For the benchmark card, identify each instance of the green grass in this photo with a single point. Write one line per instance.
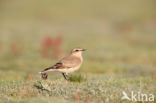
(119, 37)
(107, 88)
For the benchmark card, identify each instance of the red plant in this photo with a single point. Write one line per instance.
(52, 45)
(77, 96)
(29, 78)
(126, 27)
(14, 49)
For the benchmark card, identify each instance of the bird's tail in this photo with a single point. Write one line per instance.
(44, 74)
(46, 70)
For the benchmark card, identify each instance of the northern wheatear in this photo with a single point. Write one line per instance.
(68, 64)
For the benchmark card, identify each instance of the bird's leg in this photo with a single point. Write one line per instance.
(65, 76)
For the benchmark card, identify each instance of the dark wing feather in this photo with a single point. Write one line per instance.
(56, 66)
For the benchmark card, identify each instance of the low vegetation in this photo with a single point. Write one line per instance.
(119, 37)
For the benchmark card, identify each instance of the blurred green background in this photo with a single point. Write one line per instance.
(120, 36)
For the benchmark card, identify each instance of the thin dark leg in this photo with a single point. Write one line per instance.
(65, 76)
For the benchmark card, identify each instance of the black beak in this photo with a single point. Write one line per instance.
(84, 49)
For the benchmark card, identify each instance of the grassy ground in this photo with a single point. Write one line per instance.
(121, 52)
(107, 88)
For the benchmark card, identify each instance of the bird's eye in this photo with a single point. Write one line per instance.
(76, 50)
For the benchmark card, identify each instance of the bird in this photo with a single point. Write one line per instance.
(66, 65)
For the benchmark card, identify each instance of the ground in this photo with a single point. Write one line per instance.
(120, 56)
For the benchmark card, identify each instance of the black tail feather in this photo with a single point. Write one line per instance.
(47, 69)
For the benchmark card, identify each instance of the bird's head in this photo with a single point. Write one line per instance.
(77, 51)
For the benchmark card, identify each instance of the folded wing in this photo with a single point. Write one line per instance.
(65, 63)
